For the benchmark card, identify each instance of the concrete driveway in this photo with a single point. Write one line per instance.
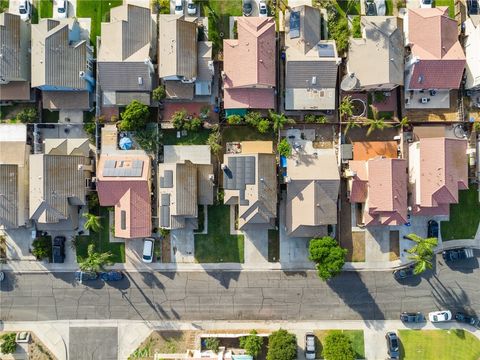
(13, 6)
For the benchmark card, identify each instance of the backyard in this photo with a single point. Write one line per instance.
(464, 217)
(218, 245)
(438, 345)
(355, 336)
(100, 239)
(244, 133)
(192, 138)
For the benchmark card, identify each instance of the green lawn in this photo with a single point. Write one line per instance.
(45, 9)
(449, 3)
(348, 7)
(101, 240)
(464, 217)
(218, 245)
(193, 137)
(273, 245)
(356, 337)
(389, 5)
(3, 5)
(98, 11)
(438, 345)
(244, 133)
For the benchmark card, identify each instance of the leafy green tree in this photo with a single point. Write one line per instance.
(179, 118)
(282, 345)
(135, 116)
(337, 346)
(279, 120)
(234, 120)
(422, 252)
(339, 31)
(95, 262)
(284, 148)
(253, 118)
(252, 343)
(159, 93)
(148, 140)
(215, 142)
(328, 256)
(92, 222)
(28, 115)
(376, 122)
(403, 123)
(212, 343)
(41, 248)
(9, 345)
(356, 28)
(263, 126)
(194, 124)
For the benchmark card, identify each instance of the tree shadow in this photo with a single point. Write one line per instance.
(224, 277)
(445, 298)
(119, 285)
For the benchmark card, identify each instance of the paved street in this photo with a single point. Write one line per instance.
(238, 295)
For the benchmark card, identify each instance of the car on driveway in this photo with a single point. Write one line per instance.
(392, 345)
(191, 8)
(467, 319)
(58, 250)
(262, 9)
(25, 10)
(425, 4)
(62, 9)
(473, 8)
(457, 254)
(82, 276)
(440, 316)
(247, 7)
(404, 273)
(370, 8)
(112, 275)
(412, 317)
(432, 229)
(309, 346)
(147, 254)
(178, 7)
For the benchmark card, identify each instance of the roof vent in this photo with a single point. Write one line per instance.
(140, 80)
(314, 80)
(420, 79)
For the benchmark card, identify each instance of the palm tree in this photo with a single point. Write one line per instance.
(376, 122)
(346, 107)
(403, 122)
(95, 262)
(422, 252)
(92, 222)
(279, 121)
(351, 123)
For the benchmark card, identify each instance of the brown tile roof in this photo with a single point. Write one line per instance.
(66, 100)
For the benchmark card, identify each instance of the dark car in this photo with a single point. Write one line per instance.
(370, 8)
(111, 276)
(467, 319)
(82, 276)
(58, 249)
(457, 254)
(404, 273)
(247, 7)
(392, 345)
(432, 230)
(409, 317)
(472, 7)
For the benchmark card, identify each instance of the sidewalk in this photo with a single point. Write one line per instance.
(55, 335)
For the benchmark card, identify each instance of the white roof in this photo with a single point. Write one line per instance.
(13, 132)
(197, 154)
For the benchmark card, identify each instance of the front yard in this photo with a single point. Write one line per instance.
(438, 345)
(355, 336)
(45, 9)
(449, 3)
(218, 245)
(464, 217)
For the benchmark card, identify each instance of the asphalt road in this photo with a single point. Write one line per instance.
(268, 295)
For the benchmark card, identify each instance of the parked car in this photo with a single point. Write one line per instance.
(25, 10)
(178, 7)
(473, 8)
(247, 7)
(58, 250)
(457, 254)
(440, 316)
(262, 9)
(147, 256)
(112, 275)
(309, 346)
(381, 7)
(467, 319)
(411, 317)
(62, 9)
(426, 4)
(432, 229)
(392, 345)
(404, 273)
(2, 276)
(191, 8)
(370, 8)
(82, 276)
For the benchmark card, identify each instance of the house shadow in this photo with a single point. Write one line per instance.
(224, 278)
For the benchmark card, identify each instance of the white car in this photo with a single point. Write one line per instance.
(191, 8)
(147, 255)
(178, 7)
(425, 4)
(62, 9)
(381, 7)
(309, 346)
(262, 9)
(25, 10)
(440, 316)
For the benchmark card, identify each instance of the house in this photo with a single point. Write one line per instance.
(14, 154)
(62, 64)
(376, 60)
(123, 181)
(472, 53)
(250, 182)
(379, 186)
(249, 65)
(437, 171)
(435, 60)
(125, 69)
(59, 181)
(184, 64)
(14, 58)
(185, 181)
(311, 63)
(313, 183)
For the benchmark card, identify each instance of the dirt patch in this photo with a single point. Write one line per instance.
(394, 253)
(36, 349)
(166, 247)
(355, 247)
(166, 342)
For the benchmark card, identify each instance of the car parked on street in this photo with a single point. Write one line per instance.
(457, 254)
(113, 275)
(432, 229)
(370, 8)
(25, 9)
(412, 317)
(62, 9)
(147, 255)
(247, 7)
(82, 276)
(309, 346)
(262, 9)
(58, 250)
(440, 316)
(404, 273)
(467, 319)
(392, 345)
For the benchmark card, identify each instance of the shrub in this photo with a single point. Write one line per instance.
(159, 93)
(234, 120)
(252, 343)
(263, 126)
(179, 118)
(378, 97)
(337, 346)
(319, 119)
(328, 256)
(214, 141)
(476, 126)
(134, 117)
(9, 345)
(212, 343)
(41, 248)
(356, 28)
(284, 148)
(282, 346)
(253, 118)
(193, 124)
(27, 115)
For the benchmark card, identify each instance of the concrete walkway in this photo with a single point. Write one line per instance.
(55, 335)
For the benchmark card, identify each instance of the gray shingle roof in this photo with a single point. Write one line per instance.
(8, 195)
(123, 76)
(300, 73)
(10, 48)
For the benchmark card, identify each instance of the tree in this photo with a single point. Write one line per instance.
(346, 107)
(337, 346)
(134, 117)
(92, 222)
(422, 252)
(194, 124)
(284, 148)
(234, 120)
(351, 123)
(27, 115)
(279, 120)
(282, 345)
(214, 141)
(263, 126)
(339, 31)
(252, 343)
(253, 118)
(41, 247)
(148, 140)
(212, 343)
(376, 122)
(95, 262)
(178, 119)
(328, 256)
(9, 345)
(403, 123)
(159, 93)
